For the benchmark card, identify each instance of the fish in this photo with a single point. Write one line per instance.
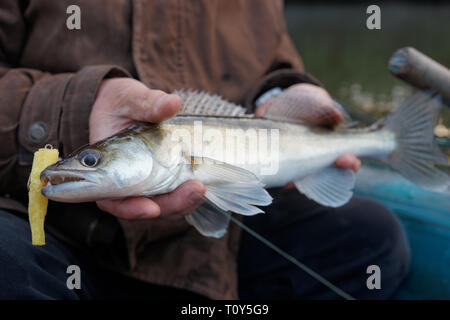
(238, 156)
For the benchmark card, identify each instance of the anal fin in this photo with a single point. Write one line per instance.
(331, 187)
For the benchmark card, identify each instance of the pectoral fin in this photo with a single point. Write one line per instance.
(209, 220)
(231, 189)
(331, 187)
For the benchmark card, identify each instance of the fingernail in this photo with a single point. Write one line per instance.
(159, 103)
(196, 199)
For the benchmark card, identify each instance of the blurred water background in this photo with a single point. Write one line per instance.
(351, 60)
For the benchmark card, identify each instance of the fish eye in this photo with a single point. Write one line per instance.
(89, 158)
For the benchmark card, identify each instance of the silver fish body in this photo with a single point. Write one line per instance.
(146, 159)
(300, 149)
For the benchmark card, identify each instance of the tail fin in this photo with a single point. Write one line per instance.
(416, 155)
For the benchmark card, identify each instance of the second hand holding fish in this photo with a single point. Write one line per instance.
(312, 98)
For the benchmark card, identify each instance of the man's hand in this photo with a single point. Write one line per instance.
(314, 97)
(119, 103)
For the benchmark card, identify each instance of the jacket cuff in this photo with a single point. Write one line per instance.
(57, 108)
(282, 78)
(79, 98)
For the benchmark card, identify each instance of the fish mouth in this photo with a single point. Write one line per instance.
(61, 177)
(57, 180)
(68, 185)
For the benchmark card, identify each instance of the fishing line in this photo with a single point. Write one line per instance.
(285, 255)
(290, 258)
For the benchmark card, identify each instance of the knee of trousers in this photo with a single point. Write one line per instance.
(27, 271)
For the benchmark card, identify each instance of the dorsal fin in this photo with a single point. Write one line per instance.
(202, 103)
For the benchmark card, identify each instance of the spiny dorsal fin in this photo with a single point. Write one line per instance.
(202, 103)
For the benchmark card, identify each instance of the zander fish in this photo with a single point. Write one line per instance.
(237, 156)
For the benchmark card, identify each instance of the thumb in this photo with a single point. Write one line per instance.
(165, 107)
(311, 107)
(151, 106)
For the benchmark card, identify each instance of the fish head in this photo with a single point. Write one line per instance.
(113, 168)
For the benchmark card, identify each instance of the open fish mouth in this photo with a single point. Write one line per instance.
(56, 180)
(67, 185)
(51, 177)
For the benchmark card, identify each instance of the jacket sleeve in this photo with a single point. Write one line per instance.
(286, 69)
(37, 107)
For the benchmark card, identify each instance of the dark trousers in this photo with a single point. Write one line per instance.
(337, 243)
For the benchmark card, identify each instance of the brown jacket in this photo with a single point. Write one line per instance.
(49, 77)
